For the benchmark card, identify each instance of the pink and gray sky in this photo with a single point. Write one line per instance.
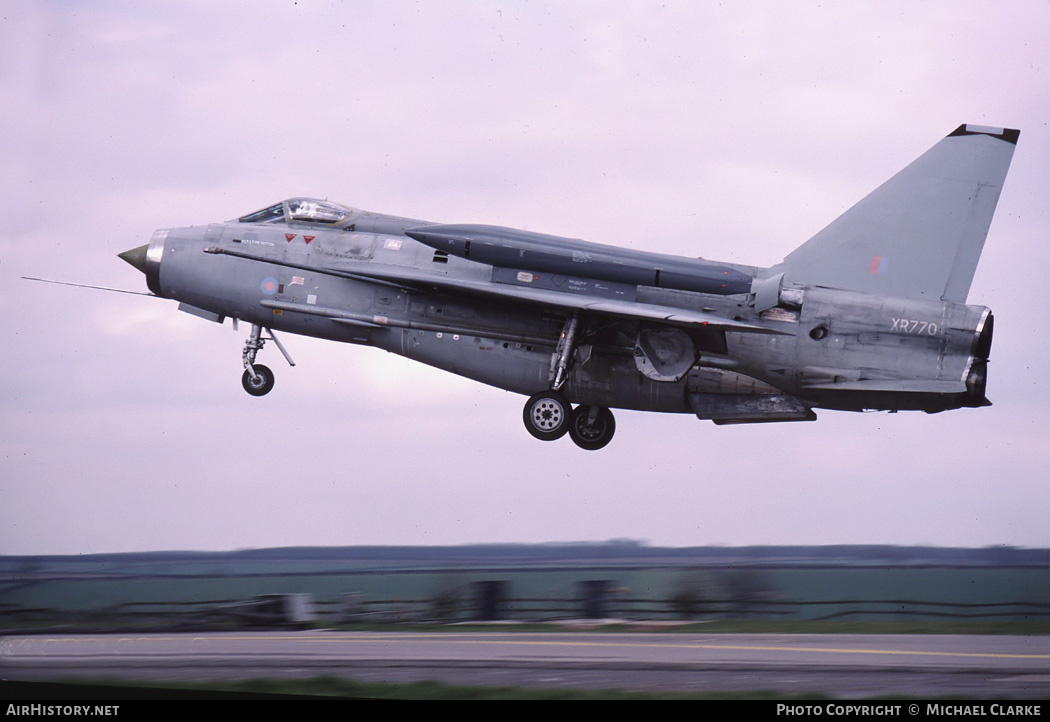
(732, 131)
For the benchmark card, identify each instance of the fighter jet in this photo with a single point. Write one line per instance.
(869, 314)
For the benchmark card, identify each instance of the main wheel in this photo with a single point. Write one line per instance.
(546, 415)
(588, 435)
(261, 383)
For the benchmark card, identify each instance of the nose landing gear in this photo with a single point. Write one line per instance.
(257, 379)
(259, 384)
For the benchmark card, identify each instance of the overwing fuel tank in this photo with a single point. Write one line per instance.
(538, 252)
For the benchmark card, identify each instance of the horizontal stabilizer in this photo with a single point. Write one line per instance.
(920, 234)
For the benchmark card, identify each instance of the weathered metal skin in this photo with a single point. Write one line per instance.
(893, 339)
(868, 314)
(845, 338)
(510, 345)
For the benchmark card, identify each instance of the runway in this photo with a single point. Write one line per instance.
(844, 666)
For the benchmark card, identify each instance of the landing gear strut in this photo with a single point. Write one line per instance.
(563, 354)
(548, 415)
(257, 379)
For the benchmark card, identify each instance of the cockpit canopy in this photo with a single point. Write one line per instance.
(301, 210)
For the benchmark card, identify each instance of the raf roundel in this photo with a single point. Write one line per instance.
(269, 286)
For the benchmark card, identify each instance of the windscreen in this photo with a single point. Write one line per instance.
(273, 214)
(314, 211)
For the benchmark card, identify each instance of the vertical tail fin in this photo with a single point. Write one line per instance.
(920, 234)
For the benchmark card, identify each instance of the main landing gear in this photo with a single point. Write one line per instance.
(592, 427)
(548, 415)
(257, 379)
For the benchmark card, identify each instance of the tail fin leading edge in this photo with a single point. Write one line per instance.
(920, 234)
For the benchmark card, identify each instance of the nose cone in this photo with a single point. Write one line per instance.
(136, 257)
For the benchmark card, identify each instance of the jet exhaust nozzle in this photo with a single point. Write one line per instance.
(977, 378)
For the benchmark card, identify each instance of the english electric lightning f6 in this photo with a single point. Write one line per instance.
(868, 314)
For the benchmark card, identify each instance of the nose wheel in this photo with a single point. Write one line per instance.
(259, 384)
(257, 379)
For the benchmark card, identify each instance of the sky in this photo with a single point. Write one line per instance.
(732, 131)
